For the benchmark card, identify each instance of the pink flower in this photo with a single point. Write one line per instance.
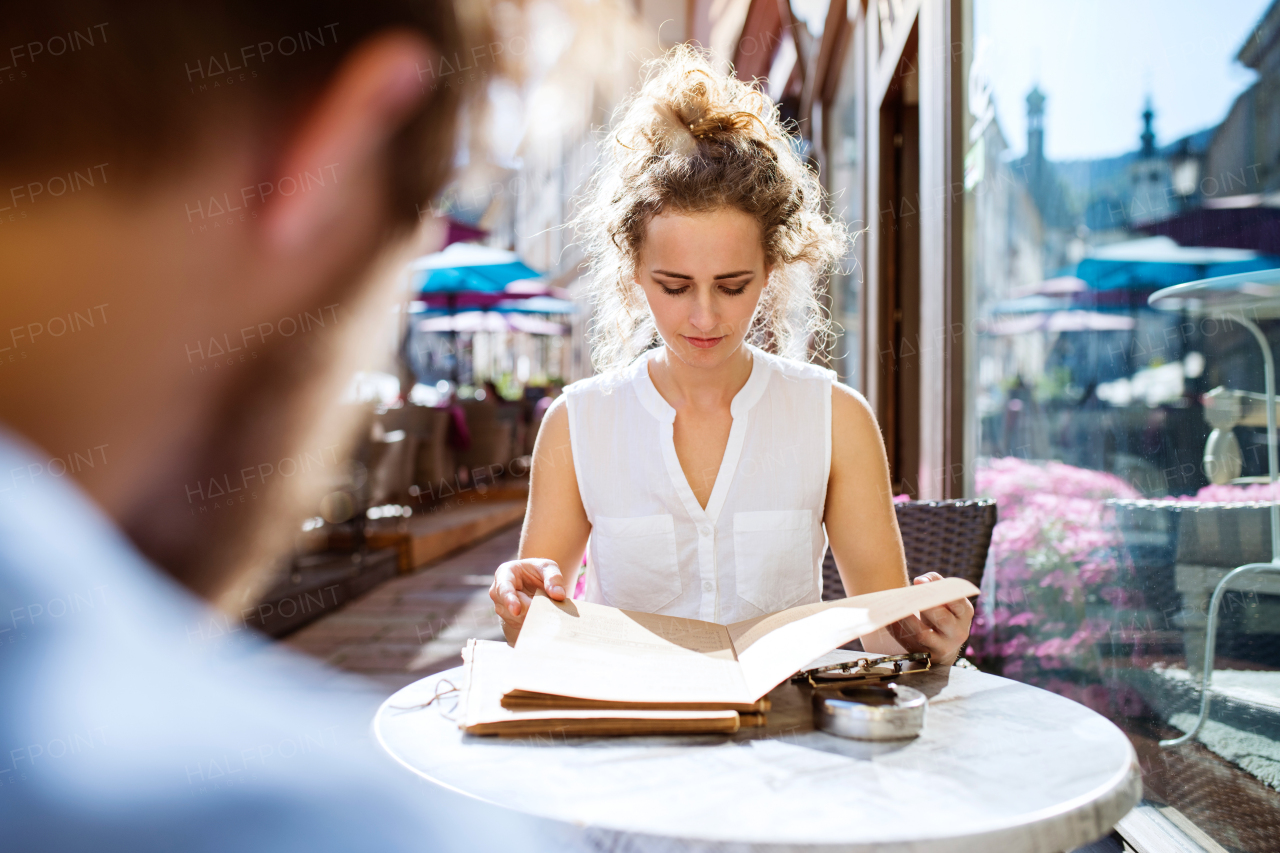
(1254, 492)
(1055, 549)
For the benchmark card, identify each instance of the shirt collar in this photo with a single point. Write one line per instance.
(746, 397)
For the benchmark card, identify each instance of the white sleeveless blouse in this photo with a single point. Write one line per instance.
(757, 547)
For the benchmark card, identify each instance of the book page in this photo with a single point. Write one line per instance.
(590, 651)
(488, 667)
(772, 648)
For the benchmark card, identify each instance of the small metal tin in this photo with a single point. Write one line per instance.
(870, 711)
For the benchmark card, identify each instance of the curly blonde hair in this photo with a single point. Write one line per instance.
(693, 140)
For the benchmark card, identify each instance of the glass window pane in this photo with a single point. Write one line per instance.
(1112, 150)
(845, 175)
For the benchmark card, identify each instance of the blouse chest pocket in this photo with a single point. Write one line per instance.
(773, 552)
(635, 561)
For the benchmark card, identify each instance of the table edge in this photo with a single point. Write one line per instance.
(1130, 777)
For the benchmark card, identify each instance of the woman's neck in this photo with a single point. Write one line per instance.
(702, 387)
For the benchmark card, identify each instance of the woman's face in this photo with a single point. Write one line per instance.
(702, 274)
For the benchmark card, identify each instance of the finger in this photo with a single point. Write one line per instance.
(504, 594)
(530, 573)
(926, 640)
(927, 577)
(515, 619)
(911, 631)
(504, 614)
(553, 581)
(963, 609)
(940, 619)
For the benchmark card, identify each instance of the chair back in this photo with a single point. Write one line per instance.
(948, 537)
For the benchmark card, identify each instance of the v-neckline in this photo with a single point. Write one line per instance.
(739, 407)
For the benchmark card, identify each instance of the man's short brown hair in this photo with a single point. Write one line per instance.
(146, 85)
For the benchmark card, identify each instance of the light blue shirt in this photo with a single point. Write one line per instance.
(128, 723)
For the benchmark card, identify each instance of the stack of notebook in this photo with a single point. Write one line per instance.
(587, 669)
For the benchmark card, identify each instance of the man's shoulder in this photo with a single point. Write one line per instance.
(138, 717)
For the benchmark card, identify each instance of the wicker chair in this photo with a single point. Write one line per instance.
(947, 537)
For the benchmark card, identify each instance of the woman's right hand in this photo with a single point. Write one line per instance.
(514, 585)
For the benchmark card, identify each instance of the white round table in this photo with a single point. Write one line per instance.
(1001, 766)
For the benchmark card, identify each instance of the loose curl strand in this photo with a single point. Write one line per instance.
(694, 140)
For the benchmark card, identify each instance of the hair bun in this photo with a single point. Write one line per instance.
(689, 103)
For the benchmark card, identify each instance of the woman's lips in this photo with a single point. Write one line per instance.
(703, 343)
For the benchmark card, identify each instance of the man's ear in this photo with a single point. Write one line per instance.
(342, 141)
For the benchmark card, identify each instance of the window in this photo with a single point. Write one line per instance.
(1112, 150)
(845, 140)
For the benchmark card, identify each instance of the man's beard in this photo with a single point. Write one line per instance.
(222, 522)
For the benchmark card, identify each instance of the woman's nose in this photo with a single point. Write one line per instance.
(704, 317)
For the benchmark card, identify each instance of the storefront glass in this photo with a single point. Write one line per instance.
(1112, 150)
(843, 125)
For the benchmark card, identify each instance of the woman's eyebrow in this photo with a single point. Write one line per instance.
(722, 276)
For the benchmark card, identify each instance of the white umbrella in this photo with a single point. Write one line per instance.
(489, 321)
(1059, 321)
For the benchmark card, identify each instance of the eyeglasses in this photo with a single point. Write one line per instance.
(865, 669)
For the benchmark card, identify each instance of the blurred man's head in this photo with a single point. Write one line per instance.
(199, 206)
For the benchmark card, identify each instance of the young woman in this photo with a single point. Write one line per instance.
(705, 472)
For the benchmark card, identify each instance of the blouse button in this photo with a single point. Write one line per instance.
(704, 530)
(707, 587)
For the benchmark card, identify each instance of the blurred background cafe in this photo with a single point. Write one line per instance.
(1041, 190)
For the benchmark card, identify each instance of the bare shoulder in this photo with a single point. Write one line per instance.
(851, 414)
(557, 415)
(553, 450)
(554, 431)
(858, 458)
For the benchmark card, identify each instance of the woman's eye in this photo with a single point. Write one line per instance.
(733, 291)
(674, 291)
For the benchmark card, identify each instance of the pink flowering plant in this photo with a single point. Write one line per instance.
(1055, 581)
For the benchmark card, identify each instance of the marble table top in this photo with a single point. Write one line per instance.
(1000, 766)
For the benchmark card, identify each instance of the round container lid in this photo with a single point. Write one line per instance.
(870, 712)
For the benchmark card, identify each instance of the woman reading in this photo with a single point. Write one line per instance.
(704, 470)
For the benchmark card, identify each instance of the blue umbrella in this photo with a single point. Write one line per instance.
(1157, 262)
(468, 268)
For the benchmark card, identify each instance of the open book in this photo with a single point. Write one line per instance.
(489, 666)
(573, 656)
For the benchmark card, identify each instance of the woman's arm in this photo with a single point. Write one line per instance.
(862, 526)
(555, 527)
(862, 529)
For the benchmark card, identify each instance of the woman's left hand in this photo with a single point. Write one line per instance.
(940, 631)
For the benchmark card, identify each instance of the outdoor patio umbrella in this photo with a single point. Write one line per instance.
(536, 305)
(509, 298)
(467, 275)
(488, 321)
(468, 267)
(1059, 321)
(1120, 276)
(1152, 263)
